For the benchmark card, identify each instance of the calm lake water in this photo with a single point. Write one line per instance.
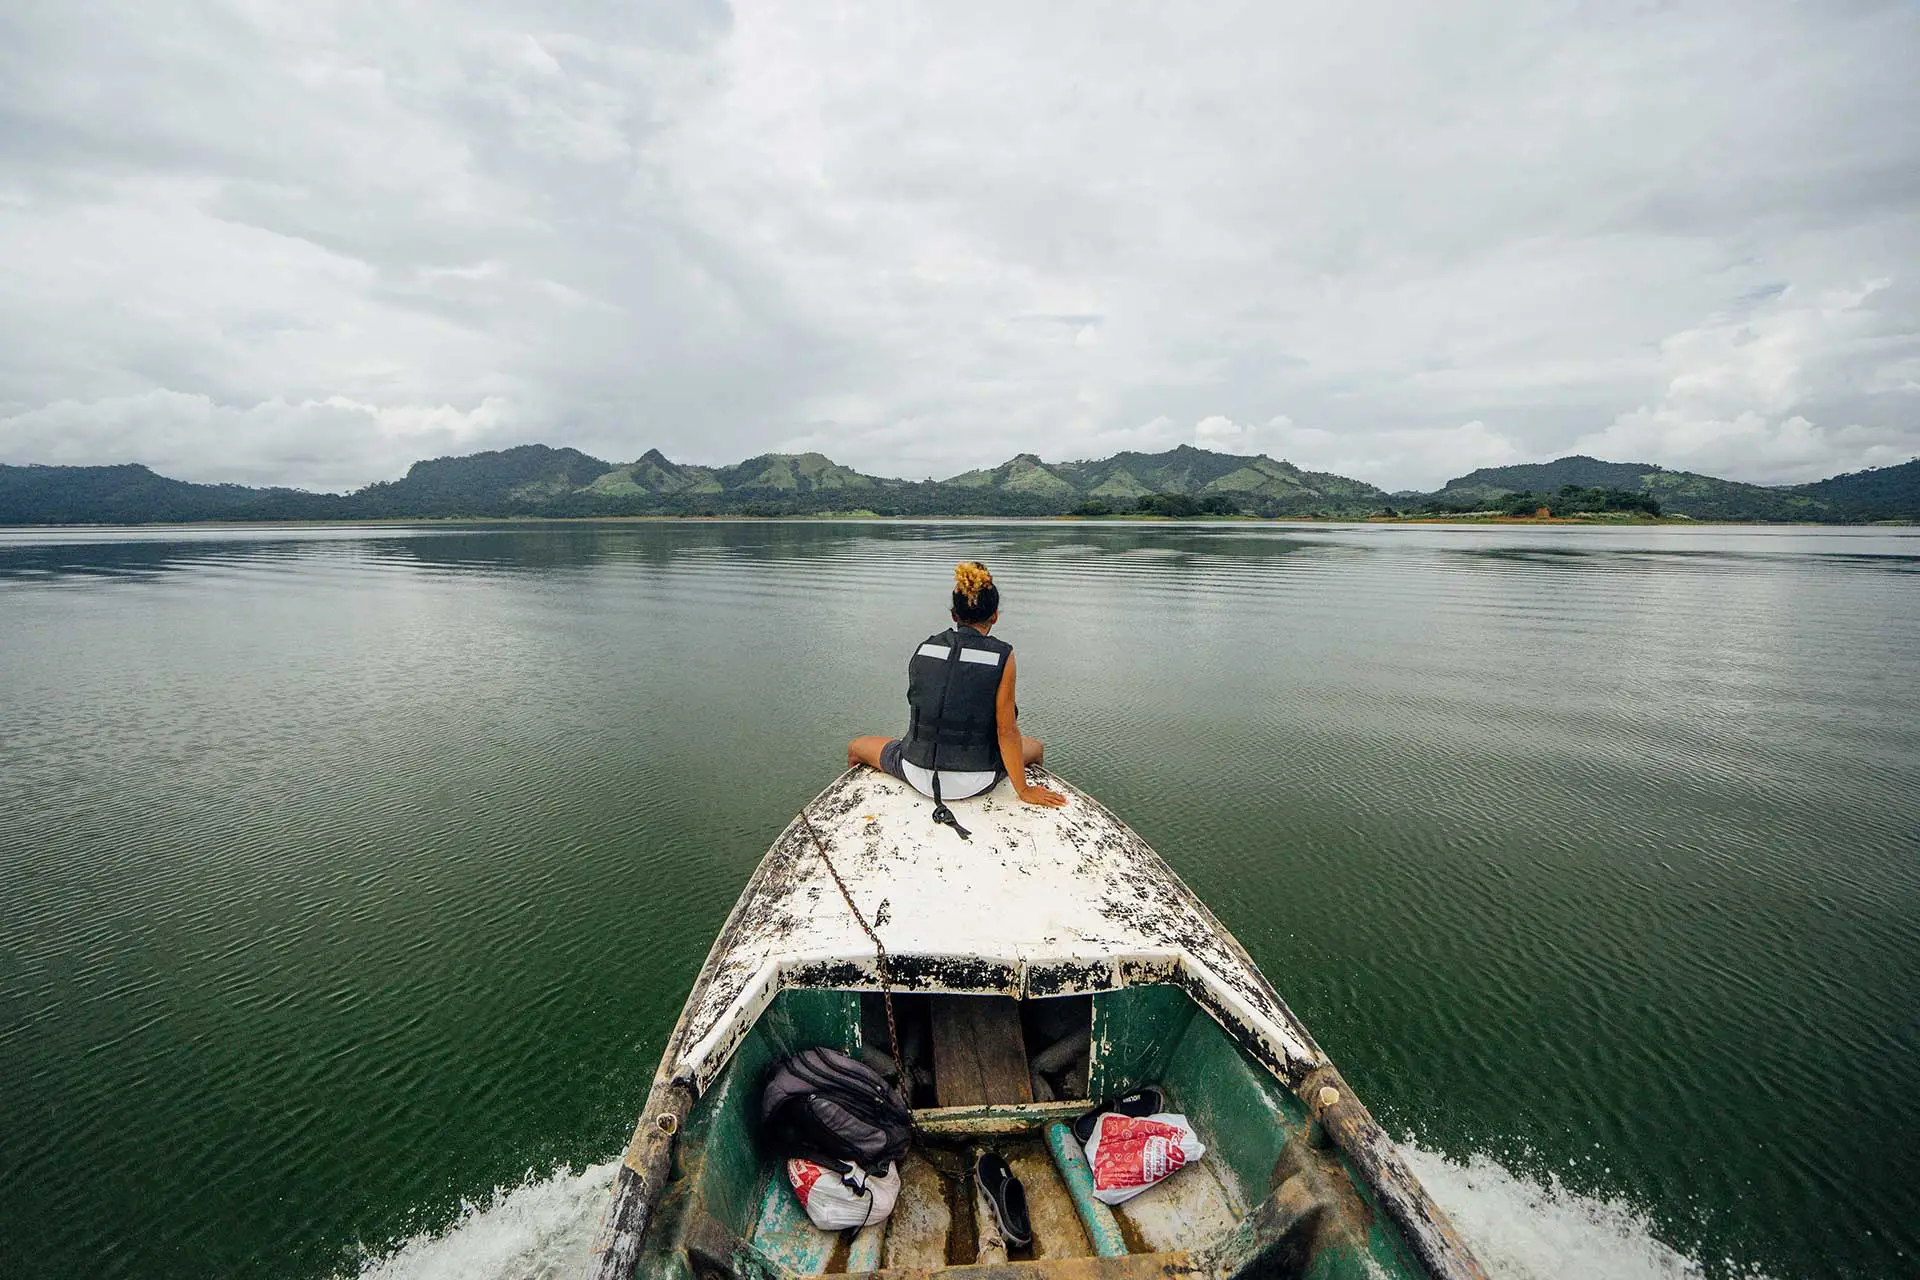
(348, 875)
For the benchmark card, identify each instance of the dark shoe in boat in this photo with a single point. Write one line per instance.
(1143, 1102)
(1007, 1198)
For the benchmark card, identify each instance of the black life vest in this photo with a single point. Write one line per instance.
(953, 683)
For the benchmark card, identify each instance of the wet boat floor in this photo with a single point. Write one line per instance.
(935, 1223)
(979, 1058)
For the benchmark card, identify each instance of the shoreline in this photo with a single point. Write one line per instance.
(868, 517)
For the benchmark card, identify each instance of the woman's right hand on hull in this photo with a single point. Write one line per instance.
(1045, 797)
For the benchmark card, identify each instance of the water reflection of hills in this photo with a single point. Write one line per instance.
(546, 547)
(1644, 560)
(558, 546)
(581, 545)
(141, 560)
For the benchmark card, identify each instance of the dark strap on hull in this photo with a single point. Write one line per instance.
(943, 816)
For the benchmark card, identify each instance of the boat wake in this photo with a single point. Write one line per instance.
(538, 1230)
(1521, 1229)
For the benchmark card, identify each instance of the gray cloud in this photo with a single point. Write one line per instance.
(307, 245)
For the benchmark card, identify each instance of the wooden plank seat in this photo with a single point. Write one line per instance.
(979, 1051)
(1136, 1266)
(1005, 1120)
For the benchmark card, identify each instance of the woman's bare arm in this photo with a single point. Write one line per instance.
(1007, 723)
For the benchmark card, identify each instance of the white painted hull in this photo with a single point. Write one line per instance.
(1037, 902)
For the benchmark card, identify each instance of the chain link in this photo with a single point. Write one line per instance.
(879, 950)
(962, 1173)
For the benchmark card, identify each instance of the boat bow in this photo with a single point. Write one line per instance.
(1037, 902)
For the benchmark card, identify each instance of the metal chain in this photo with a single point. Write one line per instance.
(879, 949)
(962, 1175)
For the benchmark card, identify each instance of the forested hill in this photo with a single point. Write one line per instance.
(1544, 477)
(1889, 493)
(535, 480)
(133, 494)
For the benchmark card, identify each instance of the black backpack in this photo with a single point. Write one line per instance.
(823, 1106)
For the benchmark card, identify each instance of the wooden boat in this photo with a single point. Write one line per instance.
(1051, 953)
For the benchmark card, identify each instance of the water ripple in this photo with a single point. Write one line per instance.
(350, 873)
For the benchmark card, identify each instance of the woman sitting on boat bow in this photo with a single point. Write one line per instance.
(963, 734)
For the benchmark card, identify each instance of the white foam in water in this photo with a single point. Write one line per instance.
(1523, 1230)
(1520, 1228)
(538, 1230)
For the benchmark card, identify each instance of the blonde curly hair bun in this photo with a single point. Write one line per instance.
(970, 578)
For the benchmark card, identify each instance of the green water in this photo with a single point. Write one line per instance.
(345, 874)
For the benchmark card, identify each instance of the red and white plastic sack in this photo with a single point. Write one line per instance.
(1131, 1153)
(835, 1201)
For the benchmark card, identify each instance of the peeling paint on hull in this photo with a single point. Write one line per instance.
(1039, 902)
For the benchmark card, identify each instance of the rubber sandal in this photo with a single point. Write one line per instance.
(1142, 1102)
(1007, 1198)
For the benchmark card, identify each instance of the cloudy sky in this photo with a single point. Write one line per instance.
(310, 242)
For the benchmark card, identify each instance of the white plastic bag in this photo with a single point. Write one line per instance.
(1130, 1153)
(835, 1201)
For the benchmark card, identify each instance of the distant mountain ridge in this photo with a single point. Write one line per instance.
(1882, 493)
(1679, 492)
(130, 493)
(537, 480)
(1588, 473)
(1888, 493)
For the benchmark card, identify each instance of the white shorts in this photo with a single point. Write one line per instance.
(953, 785)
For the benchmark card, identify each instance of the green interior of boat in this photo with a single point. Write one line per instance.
(987, 1072)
